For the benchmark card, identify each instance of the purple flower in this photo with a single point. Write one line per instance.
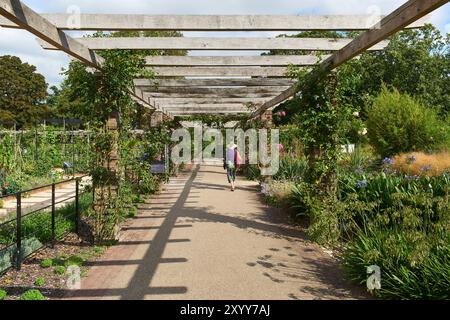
(361, 184)
(388, 161)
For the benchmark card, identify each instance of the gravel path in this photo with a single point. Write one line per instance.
(199, 240)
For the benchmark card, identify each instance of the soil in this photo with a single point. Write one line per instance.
(16, 282)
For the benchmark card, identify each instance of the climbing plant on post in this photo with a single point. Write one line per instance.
(322, 122)
(108, 105)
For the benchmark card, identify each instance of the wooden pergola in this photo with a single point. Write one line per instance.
(187, 85)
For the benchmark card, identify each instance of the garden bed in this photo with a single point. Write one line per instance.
(51, 284)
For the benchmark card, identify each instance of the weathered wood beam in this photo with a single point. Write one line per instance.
(247, 61)
(171, 43)
(248, 82)
(209, 107)
(406, 14)
(220, 71)
(138, 96)
(184, 101)
(136, 22)
(181, 113)
(27, 19)
(213, 94)
(201, 90)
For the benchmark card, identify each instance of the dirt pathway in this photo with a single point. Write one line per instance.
(199, 240)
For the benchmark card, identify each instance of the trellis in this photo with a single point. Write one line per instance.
(236, 84)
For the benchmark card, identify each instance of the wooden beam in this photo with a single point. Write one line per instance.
(212, 94)
(406, 14)
(220, 71)
(224, 91)
(210, 107)
(22, 16)
(248, 82)
(111, 22)
(185, 101)
(171, 43)
(181, 113)
(397, 20)
(238, 61)
(25, 18)
(138, 96)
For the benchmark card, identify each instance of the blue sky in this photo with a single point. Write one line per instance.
(49, 63)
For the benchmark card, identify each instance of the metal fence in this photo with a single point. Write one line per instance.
(34, 225)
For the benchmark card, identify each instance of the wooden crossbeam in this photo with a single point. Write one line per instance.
(212, 94)
(185, 100)
(112, 22)
(172, 43)
(220, 61)
(201, 90)
(190, 112)
(220, 71)
(27, 19)
(24, 17)
(210, 107)
(248, 82)
(215, 91)
(406, 14)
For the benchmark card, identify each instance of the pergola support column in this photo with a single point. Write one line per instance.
(267, 118)
(157, 117)
(106, 187)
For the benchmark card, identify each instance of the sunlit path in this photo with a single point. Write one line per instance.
(198, 240)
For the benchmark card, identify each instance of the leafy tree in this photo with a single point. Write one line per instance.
(416, 62)
(22, 92)
(309, 34)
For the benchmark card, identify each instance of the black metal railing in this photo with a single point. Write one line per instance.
(38, 225)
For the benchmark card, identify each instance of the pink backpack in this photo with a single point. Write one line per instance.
(238, 158)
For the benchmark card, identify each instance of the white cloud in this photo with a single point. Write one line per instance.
(24, 45)
(49, 63)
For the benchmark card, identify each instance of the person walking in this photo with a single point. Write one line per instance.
(231, 162)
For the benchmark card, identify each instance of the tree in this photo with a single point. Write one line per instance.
(22, 92)
(416, 62)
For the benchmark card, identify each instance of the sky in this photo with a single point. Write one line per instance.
(50, 63)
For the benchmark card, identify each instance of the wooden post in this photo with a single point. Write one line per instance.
(266, 117)
(106, 224)
(112, 126)
(156, 118)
